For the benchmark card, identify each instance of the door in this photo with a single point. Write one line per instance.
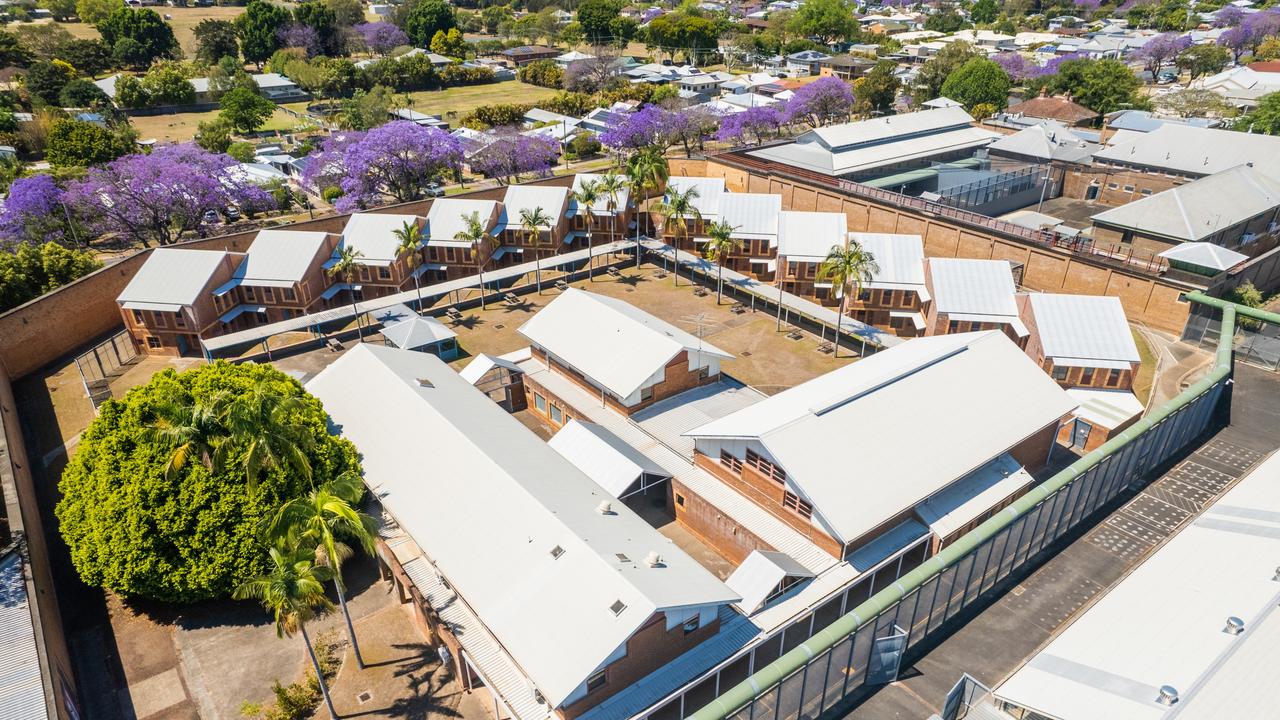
(1091, 193)
(182, 344)
(886, 657)
(1080, 433)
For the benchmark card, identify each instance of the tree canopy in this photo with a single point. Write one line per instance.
(244, 109)
(830, 20)
(424, 18)
(194, 533)
(257, 29)
(32, 270)
(216, 39)
(1263, 119)
(978, 82)
(596, 18)
(138, 37)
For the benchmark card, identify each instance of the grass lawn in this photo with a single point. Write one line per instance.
(180, 127)
(1147, 371)
(183, 20)
(458, 101)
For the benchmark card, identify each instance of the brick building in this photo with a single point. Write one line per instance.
(448, 257)
(168, 305)
(969, 295)
(381, 268)
(518, 245)
(607, 219)
(895, 297)
(279, 278)
(628, 358)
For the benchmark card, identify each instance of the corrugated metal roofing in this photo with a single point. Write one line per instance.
(972, 287)
(551, 200)
(1191, 150)
(1205, 255)
(1201, 208)
(753, 216)
(900, 259)
(709, 192)
(280, 255)
(602, 456)
(449, 216)
(373, 234)
(601, 205)
(1083, 327)
(759, 575)
(21, 688)
(810, 236)
(172, 276)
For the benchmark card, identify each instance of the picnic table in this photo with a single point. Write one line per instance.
(826, 348)
(333, 344)
(613, 271)
(562, 285)
(738, 308)
(453, 314)
(795, 334)
(510, 299)
(700, 292)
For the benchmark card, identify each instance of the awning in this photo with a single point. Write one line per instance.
(825, 285)
(919, 290)
(435, 266)
(267, 283)
(571, 237)
(239, 310)
(507, 249)
(760, 575)
(226, 287)
(1106, 408)
(1018, 328)
(335, 289)
(1093, 363)
(153, 307)
(916, 318)
(973, 495)
(448, 244)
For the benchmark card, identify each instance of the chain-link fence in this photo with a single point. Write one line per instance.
(1255, 341)
(104, 361)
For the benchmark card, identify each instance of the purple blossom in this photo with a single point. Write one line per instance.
(649, 14)
(1051, 67)
(510, 154)
(299, 36)
(1016, 66)
(382, 37)
(821, 102)
(1161, 49)
(395, 159)
(751, 125)
(1229, 16)
(647, 127)
(1088, 5)
(159, 196)
(32, 212)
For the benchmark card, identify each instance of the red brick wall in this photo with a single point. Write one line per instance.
(715, 529)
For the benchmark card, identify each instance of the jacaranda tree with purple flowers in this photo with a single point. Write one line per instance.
(297, 35)
(382, 37)
(510, 154)
(647, 127)
(33, 213)
(397, 159)
(822, 102)
(1016, 66)
(1161, 49)
(155, 198)
(752, 125)
(692, 126)
(1229, 16)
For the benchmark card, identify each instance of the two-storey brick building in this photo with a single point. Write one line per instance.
(280, 277)
(969, 295)
(447, 256)
(169, 305)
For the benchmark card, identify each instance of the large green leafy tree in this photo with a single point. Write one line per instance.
(876, 91)
(1100, 85)
(216, 39)
(195, 532)
(75, 143)
(984, 12)
(1263, 119)
(321, 18)
(32, 270)
(143, 35)
(45, 80)
(95, 11)
(257, 29)
(978, 82)
(829, 20)
(595, 17)
(424, 18)
(245, 109)
(935, 72)
(12, 52)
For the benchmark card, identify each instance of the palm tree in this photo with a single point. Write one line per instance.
(718, 248)
(847, 268)
(190, 428)
(532, 222)
(292, 590)
(677, 207)
(348, 259)
(610, 187)
(409, 239)
(586, 196)
(646, 170)
(263, 423)
(319, 520)
(475, 235)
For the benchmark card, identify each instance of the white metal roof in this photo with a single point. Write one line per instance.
(1106, 408)
(889, 127)
(1163, 625)
(975, 494)
(448, 217)
(753, 216)
(758, 575)
(512, 501)
(601, 205)
(603, 456)
(809, 236)
(552, 200)
(900, 259)
(1200, 208)
(1083, 327)
(172, 276)
(1205, 254)
(416, 332)
(613, 343)
(482, 364)
(280, 255)
(709, 192)
(974, 395)
(1191, 150)
(373, 234)
(972, 287)
(21, 690)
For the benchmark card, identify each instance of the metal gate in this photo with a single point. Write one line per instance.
(886, 657)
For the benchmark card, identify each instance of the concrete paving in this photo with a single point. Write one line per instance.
(991, 643)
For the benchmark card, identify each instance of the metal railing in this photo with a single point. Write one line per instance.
(103, 362)
(831, 667)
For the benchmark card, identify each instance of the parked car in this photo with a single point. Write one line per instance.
(210, 216)
(435, 190)
(232, 213)
(1165, 78)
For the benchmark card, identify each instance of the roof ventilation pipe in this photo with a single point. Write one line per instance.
(604, 508)
(1235, 626)
(653, 559)
(1168, 695)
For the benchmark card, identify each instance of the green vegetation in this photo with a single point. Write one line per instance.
(170, 488)
(978, 82)
(33, 270)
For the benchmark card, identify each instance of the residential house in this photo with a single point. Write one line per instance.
(846, 67)
(449, 258)
(805, 62)
(280, 277)
(562, 596)
(551, 236)
(983, 418)
(970, 295)
(1085, 344)
(1060, 108)
(168, 304)
(525, 54)
(381, 269)
(627, 357)
(1231, 208)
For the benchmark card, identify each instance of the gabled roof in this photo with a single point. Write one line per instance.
(603, 456)
(417, 331)
(972, 287)
(974, 395)
(1191, 150)
(900, 259)
(709, 192)
(1050, 141)
(1053, 107)
(809, 236)
(282, 255)
(757, 577)
(601, 205)
(553, 201)
(558, 583)
(482, 364)
(171, 278)
(1205, 255)
(448, 217)
(612, 343)
(21, 690)
(1200, 208)
(1083, 328)
(373, 234)
(753, 216)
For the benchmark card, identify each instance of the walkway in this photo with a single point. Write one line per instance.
(996, 641)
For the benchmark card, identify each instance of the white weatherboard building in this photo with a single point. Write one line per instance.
(544, 577)
(1192, 633)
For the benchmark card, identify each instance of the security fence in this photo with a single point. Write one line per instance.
(103, 362)
(865, 646)
(1256, 341)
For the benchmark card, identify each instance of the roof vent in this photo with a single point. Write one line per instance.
(604, 508)
(1168, 695)
(556, 552)
(621, 557)
(1235, 626)
(1276, 577)
(653, 559)
(617, 607)
(423, 382)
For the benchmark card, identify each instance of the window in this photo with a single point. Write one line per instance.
(540, 403)
(730, 461)
(704, 372)
(1086, 376)
(1145, 191)
(153, 342)
(248, 293)
(1060, 374)
(691, 625)
(1113, 378)
(596, 681)
(646, 393)
(158, 317)
(137, 317)
(289, 295)
(1112, 186)
(1128, 188)
(384, 273)
(953, 326)
(864, 295)
(557, 416)
(268, 295)
(178, 320)
(886, 298)
(792, 502)
(679, 500)
(766, 468)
